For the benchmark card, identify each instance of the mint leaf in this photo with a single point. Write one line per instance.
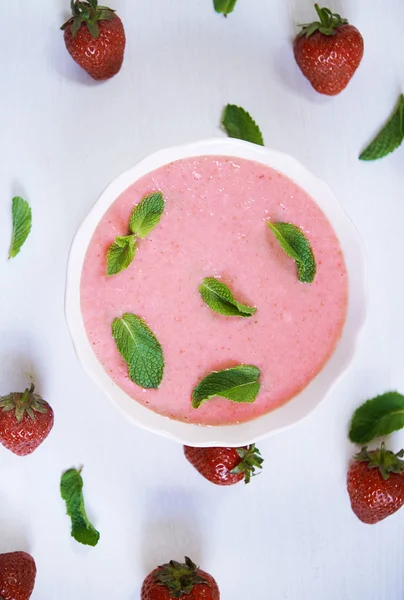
(140, 348)
(224, 6)
(146, 215)
(220, 299)
(379, 416)
(120, 254)
(239, 384)
(239, 124)
(143, 219)
(297, 246)
(389, 137)
(22, 223)
(71, 490)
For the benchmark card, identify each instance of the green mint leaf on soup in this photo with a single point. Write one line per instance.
(147, 214)
(224, 6)
(389, 137)
(120, 254)
(144, 218)
(220, 299)
(140, 348)
(22, 223)
(297, 246)
(239, 384)
(71, 490)
(239, 124)
(377, 417)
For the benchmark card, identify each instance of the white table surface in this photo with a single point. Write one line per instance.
(291, 533)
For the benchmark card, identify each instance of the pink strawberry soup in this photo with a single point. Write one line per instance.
(214, 225)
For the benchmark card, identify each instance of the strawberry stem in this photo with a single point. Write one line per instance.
(320, 13)
(251, 460)
(27, 402)
(179, 578)
(89, 13)
(386, 461)
(26, 397)
(327, 25)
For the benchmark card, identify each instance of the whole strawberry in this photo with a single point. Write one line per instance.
(95, 38)
(25, 421)
(376, 484)
(328, 52)
(225, 466)
(17, 576)
(179, 580)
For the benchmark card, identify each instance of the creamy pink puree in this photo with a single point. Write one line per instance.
(214, 225)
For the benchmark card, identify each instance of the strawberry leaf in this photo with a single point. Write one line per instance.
(93, 29)
(251, 460)
(386, 461)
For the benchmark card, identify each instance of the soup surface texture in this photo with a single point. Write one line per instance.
(214, 225)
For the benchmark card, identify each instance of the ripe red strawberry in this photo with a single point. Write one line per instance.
(328, 52)
(25, 421)
(225, 466)
(95, 38)
(17, 576)
(376, 484)
(179, 580)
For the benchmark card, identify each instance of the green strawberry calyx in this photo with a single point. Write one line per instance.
(327, 25)
(88, 12)
(28, 402)
(386, 461)
(179, 578)
(251, 459)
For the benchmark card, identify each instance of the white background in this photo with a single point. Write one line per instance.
(291, 533)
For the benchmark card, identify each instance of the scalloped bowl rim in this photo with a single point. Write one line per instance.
(315, 392)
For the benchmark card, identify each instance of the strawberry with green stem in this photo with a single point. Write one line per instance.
(95, 38)
(25, 421)
(179, 580)
(328, 51)
(225, 466)
(376, 484)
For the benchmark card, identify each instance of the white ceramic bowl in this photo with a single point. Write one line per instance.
(302, 404)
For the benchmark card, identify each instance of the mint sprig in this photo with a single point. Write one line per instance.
(297, 246)
(144, 218)
(147, 214)
(238, 384)
(377, 417)
(224, 6)
(140, 348)
(71, 490)
(239, 124)
(389, 137)
(220, 299)
(120, 254)
(22, 223)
